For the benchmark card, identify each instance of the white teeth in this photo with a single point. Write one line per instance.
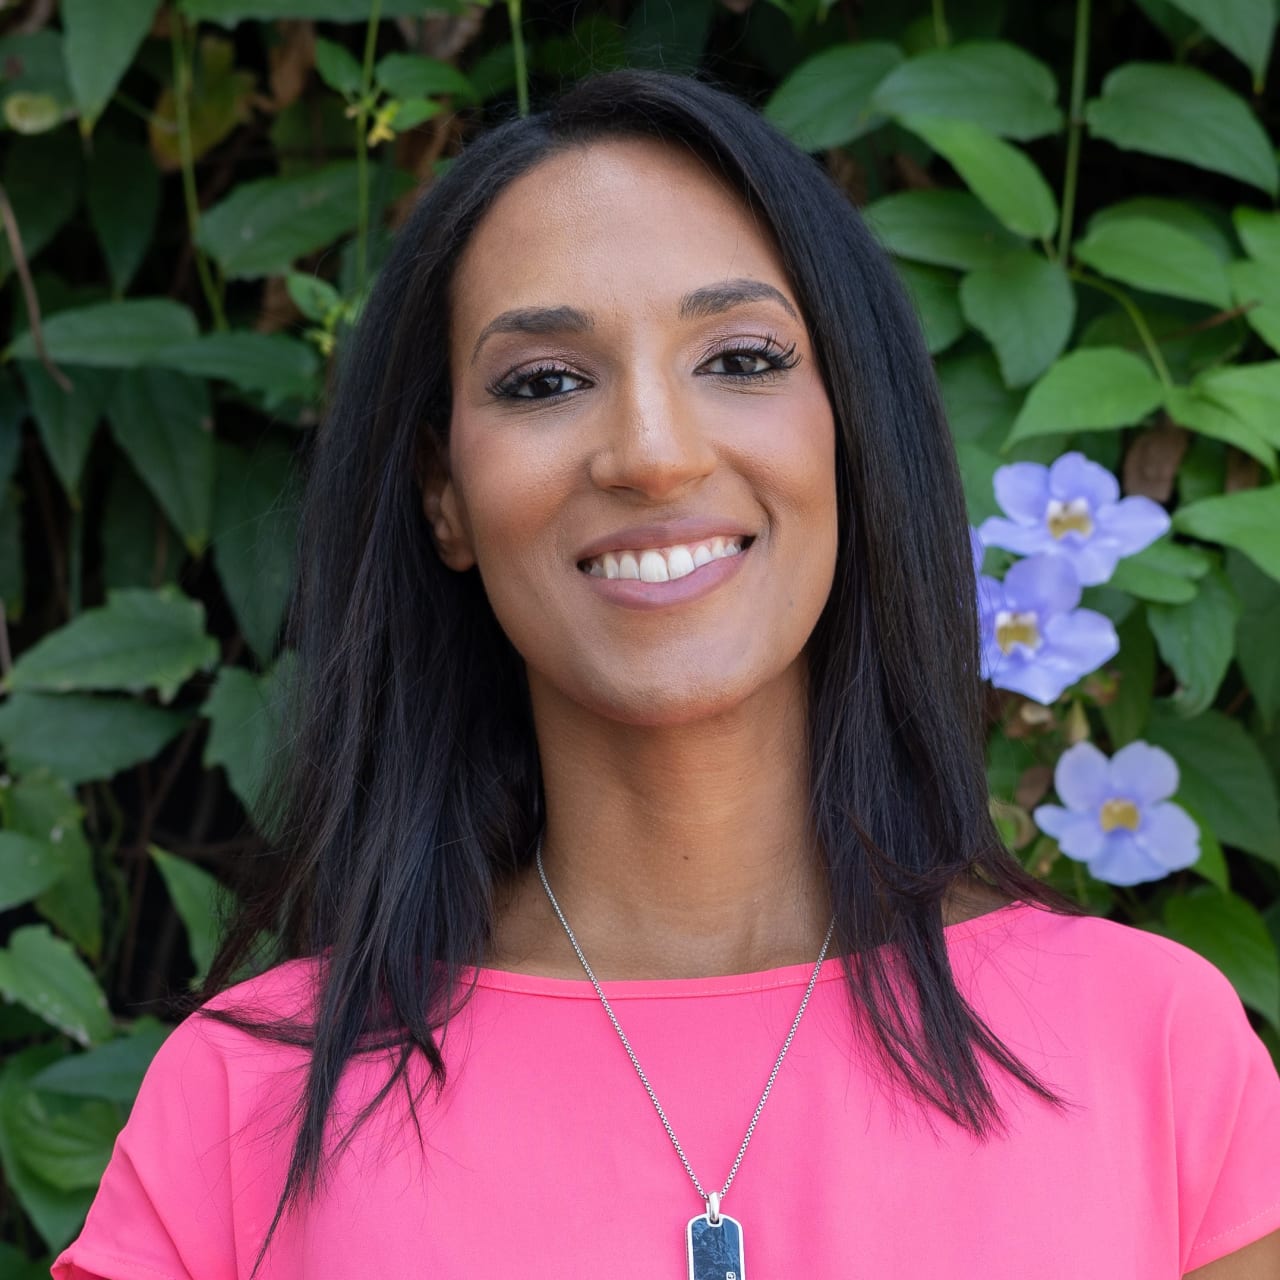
(662, 564)
(679, 562)
(653, 568)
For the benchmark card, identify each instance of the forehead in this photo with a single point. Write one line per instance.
(621, 222)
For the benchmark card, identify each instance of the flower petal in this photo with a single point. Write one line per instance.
(1033, 680)
(1170, 836)
(1047, 584)
(1094, 561)
(1080, 641)
(1132, 524)
(1023, 539)
(1124, 861)
(1080, 778)
(1075, 476)
(1022, 490)
(1078, 834)
(1143, 773)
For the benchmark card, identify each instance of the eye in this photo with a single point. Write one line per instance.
(750, 360)
(545, 382)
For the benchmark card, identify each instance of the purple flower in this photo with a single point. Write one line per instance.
(1071, 509)
(1118, 817)
(1034, 639)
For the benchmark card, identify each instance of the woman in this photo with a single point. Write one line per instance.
(637, 639)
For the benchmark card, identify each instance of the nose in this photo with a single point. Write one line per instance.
(653, 442)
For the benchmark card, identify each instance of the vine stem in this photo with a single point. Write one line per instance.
(362, 145)
(517, 46)
(941, 36)
(186, 155)
(1139, 323)
(1075, 125)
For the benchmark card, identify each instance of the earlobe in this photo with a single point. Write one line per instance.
(441, 506)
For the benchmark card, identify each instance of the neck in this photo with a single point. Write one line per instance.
(673, 851)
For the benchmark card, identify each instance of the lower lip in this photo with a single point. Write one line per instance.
(632, 593)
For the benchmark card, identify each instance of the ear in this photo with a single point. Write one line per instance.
(442, 507)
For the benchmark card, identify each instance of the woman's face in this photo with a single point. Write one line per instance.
(635, 399)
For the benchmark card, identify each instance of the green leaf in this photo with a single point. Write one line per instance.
(826, 100)
(45, 808)
(1093, 389)
(1229, 932)
(1000, 175)
(120, 335)
(1248, 520)
(27, 868)
(1134, 667)
(99, 41)
(989, 83)
(254, 527)
(140, 548)
(231, 12)
(317, 299)
(1025, 307)
(1259, 232)
(412, 75)
(1223, 776)
(273, 363)
(1256, 633)
(338, 67)
(1166, 572)
(934, 293)
(163, 422)
(1197, 640)
(124, 201)
(262, 227)
(1157, 257)
(946, 228)
(138, 640)
(1201, 222)
(66, 419)
(1243, 26)
(201, 903)
(1182, 114)
(1251, 392)
(41, 208)
(980, 408)
(66, 1142)
(245, 721)
(1194, 409)
(44, 974)
(1256, 286)
(57, 1215)
(1212, 862)
(112, 1071)
(81, 737)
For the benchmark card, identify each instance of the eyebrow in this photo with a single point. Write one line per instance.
(711, 299)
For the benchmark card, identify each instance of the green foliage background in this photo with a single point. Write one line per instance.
(1080, 194)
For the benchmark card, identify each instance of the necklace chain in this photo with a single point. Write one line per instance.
(635, 1062)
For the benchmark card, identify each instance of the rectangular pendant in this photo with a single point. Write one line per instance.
(715, 1252)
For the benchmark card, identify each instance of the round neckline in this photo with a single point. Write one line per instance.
(720, 984)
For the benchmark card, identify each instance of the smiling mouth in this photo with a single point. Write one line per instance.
(664, 564)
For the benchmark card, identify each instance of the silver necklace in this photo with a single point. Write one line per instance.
(713, 1240)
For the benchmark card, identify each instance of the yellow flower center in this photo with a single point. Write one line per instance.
(1119, 813)
(1016, 628)
(1064, 517)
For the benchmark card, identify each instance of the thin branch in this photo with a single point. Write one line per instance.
(14, 235)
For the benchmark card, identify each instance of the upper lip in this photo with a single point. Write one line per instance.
(669, 533)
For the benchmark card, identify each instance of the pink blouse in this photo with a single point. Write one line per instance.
(544, 1158)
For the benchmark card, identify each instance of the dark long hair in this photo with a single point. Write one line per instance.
(408, 783)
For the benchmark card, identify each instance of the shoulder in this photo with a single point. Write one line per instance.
(1106, 972)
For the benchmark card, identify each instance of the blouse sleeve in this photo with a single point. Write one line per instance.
(1226, 1097)
(162, 1211)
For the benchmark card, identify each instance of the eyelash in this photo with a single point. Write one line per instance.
(780, 360)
